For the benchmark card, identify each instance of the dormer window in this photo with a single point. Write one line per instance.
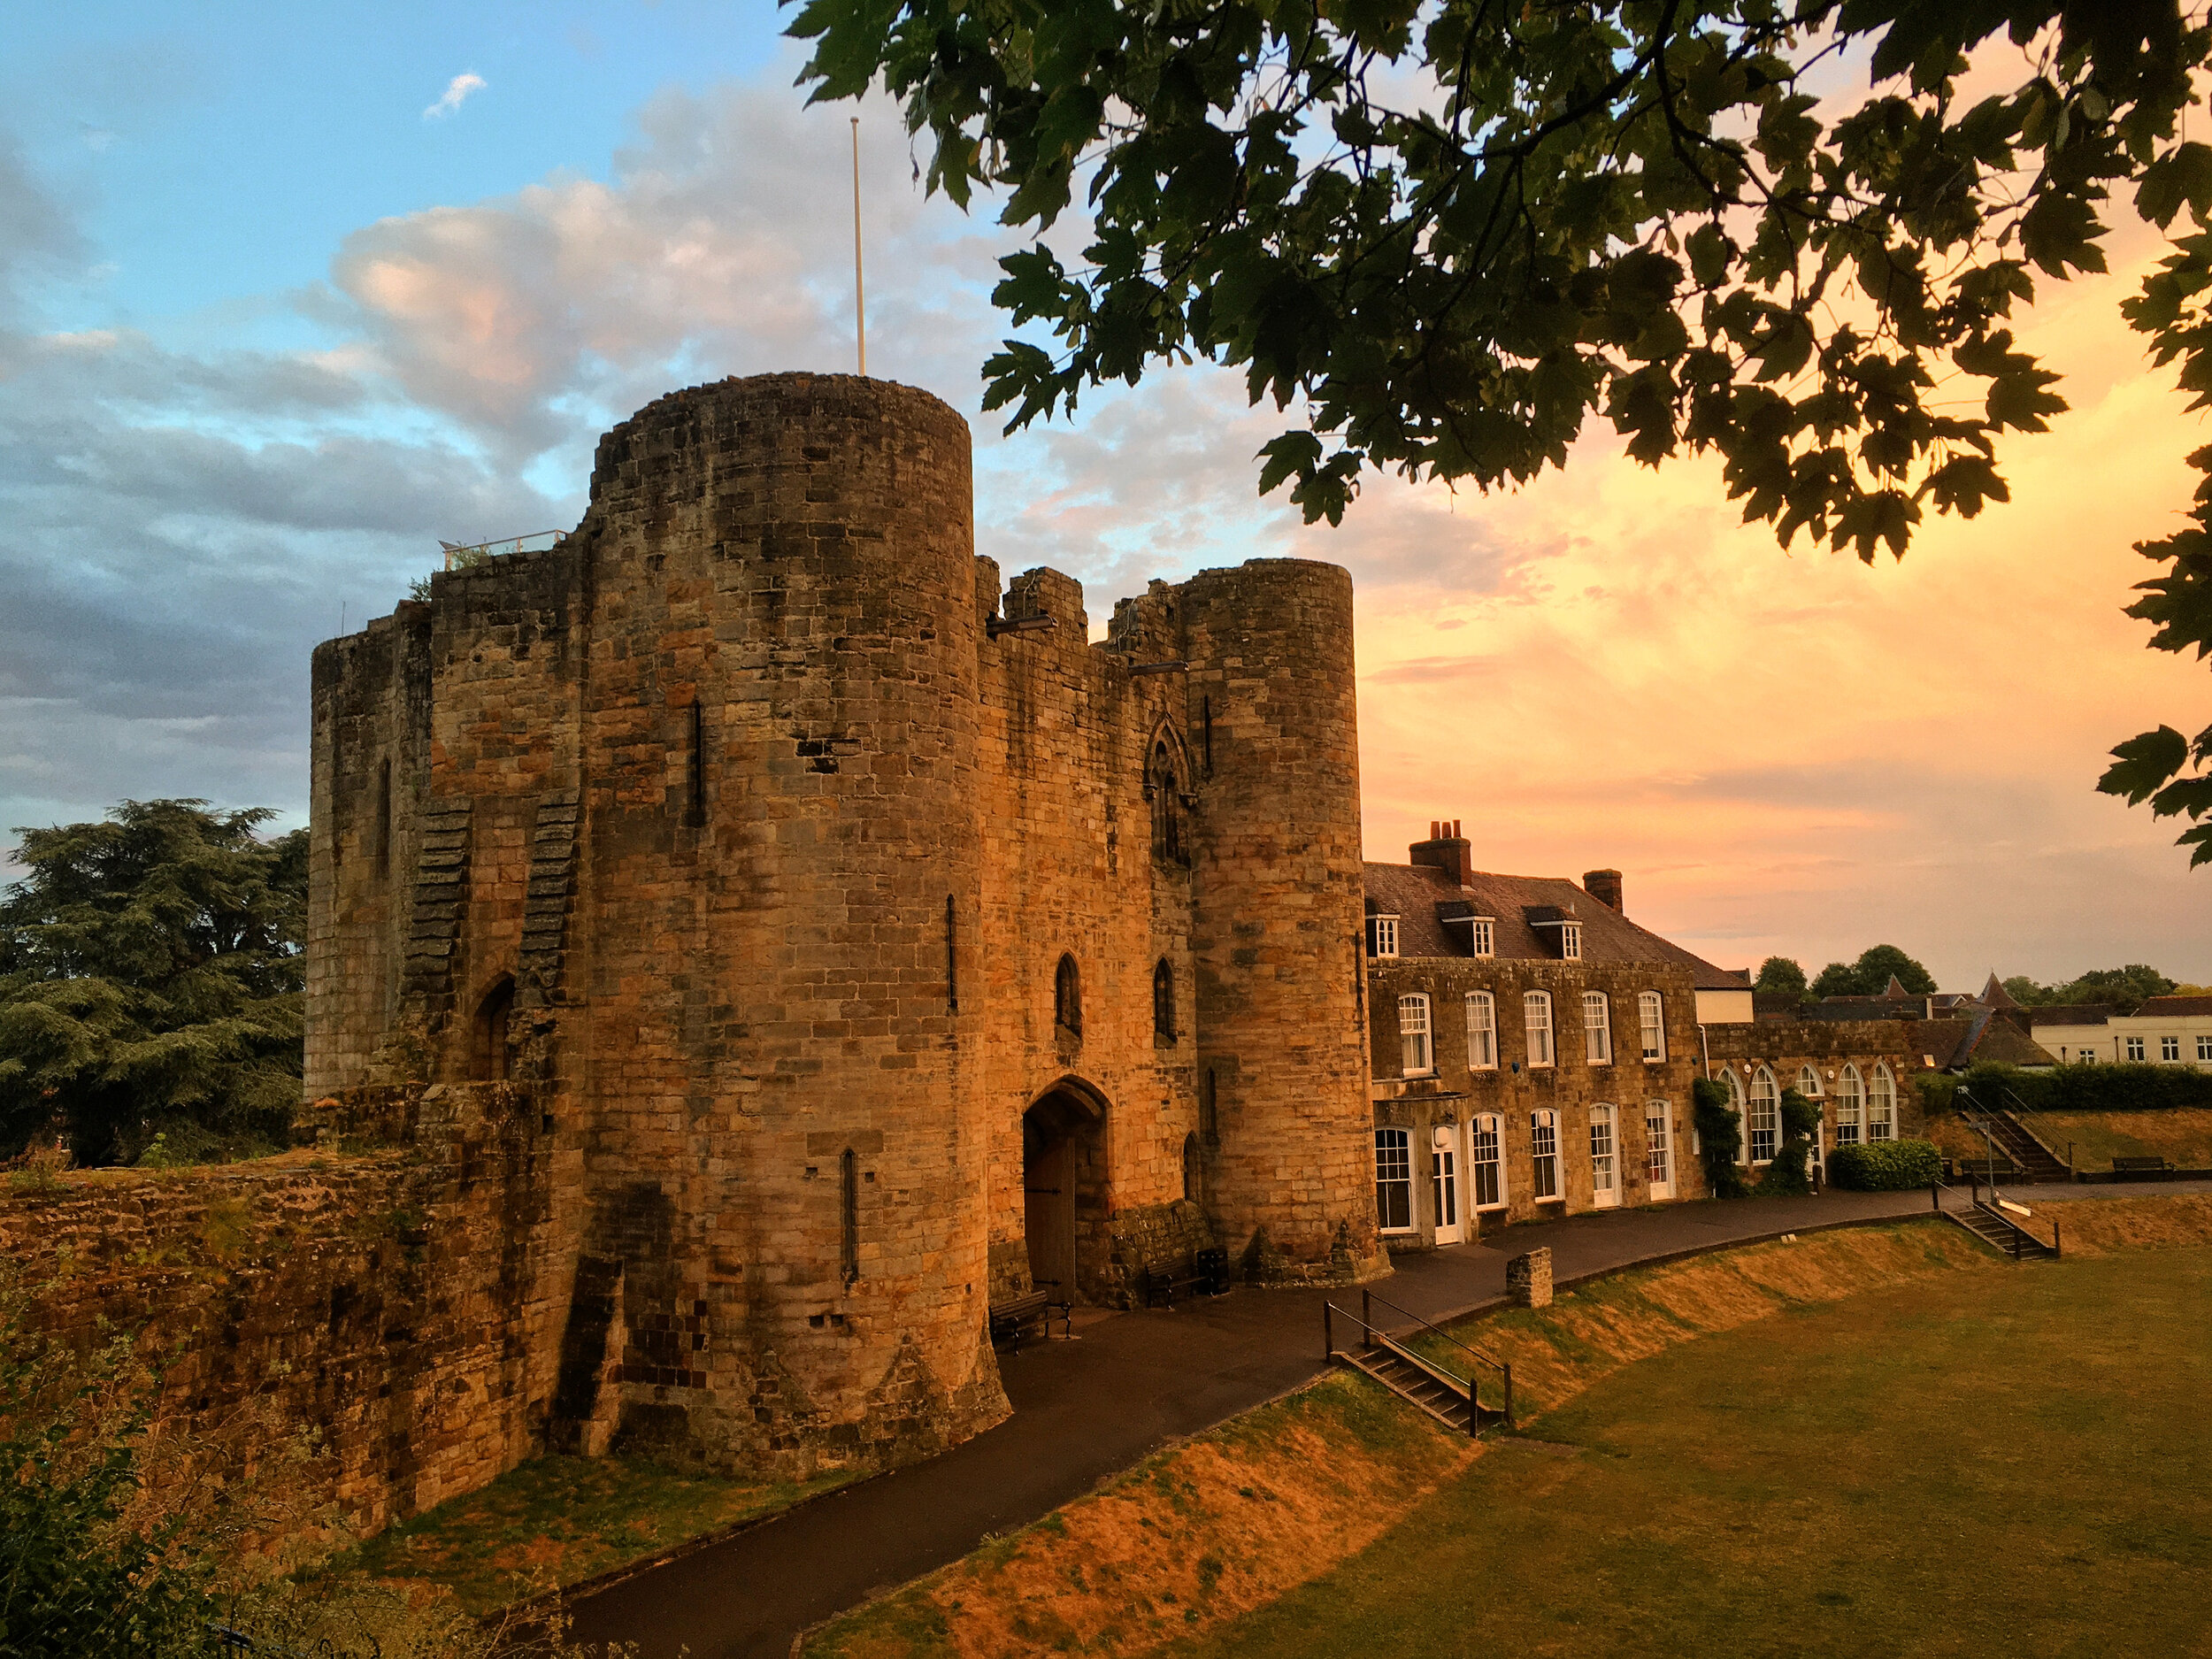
(1558, 927)
(1482, 931)
(1484, 942)
(1382, 935)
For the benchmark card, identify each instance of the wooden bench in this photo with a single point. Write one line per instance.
(1010, 1321)
(1201, 1273)
(2121, 1166)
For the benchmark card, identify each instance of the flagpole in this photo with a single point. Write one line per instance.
(860, 301)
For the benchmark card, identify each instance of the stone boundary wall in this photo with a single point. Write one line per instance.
(391, 1300)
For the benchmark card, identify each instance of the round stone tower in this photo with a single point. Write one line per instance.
(1276, 895)
(785, 1150)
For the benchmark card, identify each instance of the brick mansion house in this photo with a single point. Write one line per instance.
(848, 944)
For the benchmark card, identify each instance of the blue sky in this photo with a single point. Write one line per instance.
(269, 330)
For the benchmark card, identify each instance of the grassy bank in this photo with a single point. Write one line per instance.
(2008, 1461)
(1229, 1522)
(1317, 1524)
(2182, 1137)
(557, 1521)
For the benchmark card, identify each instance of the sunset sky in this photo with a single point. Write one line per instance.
(287, 297)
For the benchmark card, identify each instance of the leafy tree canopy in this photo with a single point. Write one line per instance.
(151, 980)
(1450, 231)
(1871, 974)
(1779, 976)
(2124, 988)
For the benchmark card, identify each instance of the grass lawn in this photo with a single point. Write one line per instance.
(2018, 1462)
(2182, 1137)
(557, 1521)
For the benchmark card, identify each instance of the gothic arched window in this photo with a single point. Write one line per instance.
(1164, 1001)
(1166, 789)
(1067, 997)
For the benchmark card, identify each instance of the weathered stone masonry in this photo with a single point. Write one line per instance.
(742, 829)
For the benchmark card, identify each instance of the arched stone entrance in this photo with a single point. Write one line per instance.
(1063, 1190)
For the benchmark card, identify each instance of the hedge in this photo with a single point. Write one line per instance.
(2088, 1088)
(1885, 1166)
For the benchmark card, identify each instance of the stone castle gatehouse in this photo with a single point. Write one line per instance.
(875, 945)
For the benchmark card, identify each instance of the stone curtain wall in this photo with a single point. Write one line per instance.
(1069, 867)
(400, 1302)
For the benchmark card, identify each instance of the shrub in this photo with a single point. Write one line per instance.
(1885, 1166)
(1719, 1133)
(2129, 1087)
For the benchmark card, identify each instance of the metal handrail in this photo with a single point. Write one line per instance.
(1368, 1298)
(473, 552)
(1936, 1189)
(1375, 1332)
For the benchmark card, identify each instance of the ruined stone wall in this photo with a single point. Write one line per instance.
(1513, 1091)
(1277, 899)
(1070, 867)
(371, 698)
(398, 1301)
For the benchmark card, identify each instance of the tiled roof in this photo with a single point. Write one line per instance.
(1995, 995)
(1419, 896)
(2176, 1006)
(2070, 1014)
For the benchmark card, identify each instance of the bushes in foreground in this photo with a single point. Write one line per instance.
(1885, 1166)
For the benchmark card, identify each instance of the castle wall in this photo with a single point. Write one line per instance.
(394, 1300)
(1071, 868)
(728, 827)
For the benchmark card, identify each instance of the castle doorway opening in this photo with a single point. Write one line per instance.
(1064, 1169)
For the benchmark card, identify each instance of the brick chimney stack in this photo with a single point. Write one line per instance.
(1445, 849)
(1604, 886)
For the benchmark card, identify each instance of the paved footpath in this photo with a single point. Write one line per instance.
(1133, 1382)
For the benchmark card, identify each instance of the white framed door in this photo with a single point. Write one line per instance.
(1659, 1148)
(1605, 1162)
(1445, 1197)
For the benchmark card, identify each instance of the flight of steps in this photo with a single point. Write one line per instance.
(1443, 1398)
(1995, 1230)
(2030, 1157)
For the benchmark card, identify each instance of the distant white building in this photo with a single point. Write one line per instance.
(2164, 1031)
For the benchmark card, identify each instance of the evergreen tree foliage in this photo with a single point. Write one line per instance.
(150, 982)
(1447, 232)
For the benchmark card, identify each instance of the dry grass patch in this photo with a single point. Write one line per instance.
(1591, 1333)
(557, 1521)
(2100, 1226)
